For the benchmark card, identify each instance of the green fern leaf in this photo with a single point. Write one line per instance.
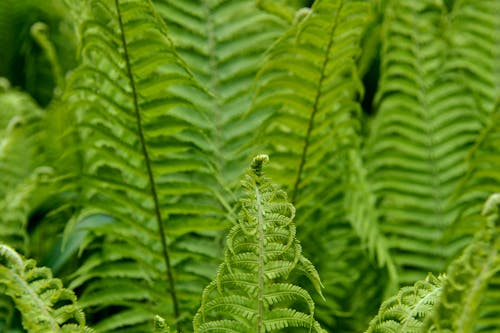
(426, 123)
(146, 166)
(160, 326)
(480, 181)
(470, 279)
(223, 42)
(252, 291)
(45, 305)
(307, 95)
(475, 36)
(406, 312)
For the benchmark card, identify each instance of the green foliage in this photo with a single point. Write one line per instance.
(407, 311)
(419, 140)
(252, 291)
(142, 149)
(470, 279)
(45, 305)
(452, 302)
(121, 172)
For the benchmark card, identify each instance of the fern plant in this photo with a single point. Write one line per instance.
(252, 291)
(453, 301)
(380, 118)
(45, 305)
(154, 185)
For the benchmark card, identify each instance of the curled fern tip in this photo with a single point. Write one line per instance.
(257, 163)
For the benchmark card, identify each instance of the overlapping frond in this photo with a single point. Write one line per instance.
(427, 121)
(253, 291)
(480, 181)
(469, 301)
(46, 306)
(465, 299)
(307, 91)
(223, 42)
(307, 95)
(143, 166)
(407, 311)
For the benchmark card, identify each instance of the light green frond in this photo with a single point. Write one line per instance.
(480, 181)
(223, 42)
(46, 306)
(252, 291)
(160, 326)
(285, 9)
(307, 91)
(407, 311)
(20, 135)
(145, 165)
(472, 282)
(307, 94)
(426, 123)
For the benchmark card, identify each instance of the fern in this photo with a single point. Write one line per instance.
(467, 284)
(307, 94)
(452, 302)
(223, 42)
(406, 312)
(426, 123)
(475, 36)
(45, 305)
(252, 291)
(480, 181)
(142, 140)
(160, 326)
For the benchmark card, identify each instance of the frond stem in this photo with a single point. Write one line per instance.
(315, 107)
(260, 221)
(154, 194)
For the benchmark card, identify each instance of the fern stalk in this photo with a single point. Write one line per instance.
(315, 105)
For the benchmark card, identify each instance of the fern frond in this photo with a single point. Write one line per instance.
(223, 42)
(20, 135)
(160, 326)
(252, 291)
(426, 123)
(307, 90)
(145, 166)
(307, 94)
(468, 281)
(480, 181)
(45, 305)
(475, 35)
(406, 312)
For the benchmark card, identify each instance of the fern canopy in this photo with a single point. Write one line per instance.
(253, 291)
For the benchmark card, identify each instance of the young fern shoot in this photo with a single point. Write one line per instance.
(46, 306)
(253, 291)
